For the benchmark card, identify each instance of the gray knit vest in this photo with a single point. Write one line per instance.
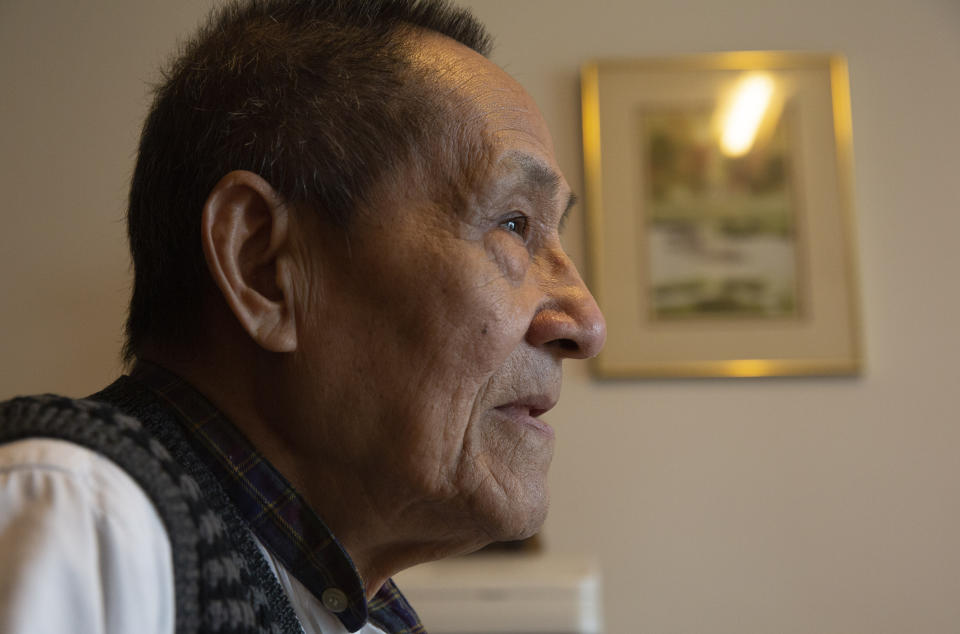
(222, 583)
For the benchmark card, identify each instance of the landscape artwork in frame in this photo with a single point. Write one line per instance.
(720, 220)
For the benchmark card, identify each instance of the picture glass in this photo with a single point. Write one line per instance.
(719, 216)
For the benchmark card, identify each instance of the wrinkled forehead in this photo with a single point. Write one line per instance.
(486, 98)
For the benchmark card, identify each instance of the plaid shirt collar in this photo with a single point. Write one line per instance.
(278, 516)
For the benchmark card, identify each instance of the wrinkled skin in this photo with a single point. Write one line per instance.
(430, 342)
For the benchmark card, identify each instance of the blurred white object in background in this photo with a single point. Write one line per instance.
(506, 593)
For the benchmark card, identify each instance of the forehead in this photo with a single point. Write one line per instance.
(488, 99)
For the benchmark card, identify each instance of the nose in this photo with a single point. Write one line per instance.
(569, 322)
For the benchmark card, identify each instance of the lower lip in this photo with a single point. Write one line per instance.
(521, 416)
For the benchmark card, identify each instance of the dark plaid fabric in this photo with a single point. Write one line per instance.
(275, 512)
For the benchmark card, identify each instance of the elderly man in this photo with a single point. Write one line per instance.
(350, 309)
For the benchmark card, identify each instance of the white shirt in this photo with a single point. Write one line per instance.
(83, 550)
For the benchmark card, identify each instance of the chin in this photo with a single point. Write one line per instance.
(505, 490)
(523, 518)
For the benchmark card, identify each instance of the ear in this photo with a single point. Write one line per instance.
(245, 233)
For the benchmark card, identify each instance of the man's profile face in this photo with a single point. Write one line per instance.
(434, 336)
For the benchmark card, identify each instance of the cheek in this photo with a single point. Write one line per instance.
(497, 307)
(508, 255)
(500, 326)
(455, 311)
(490, 304)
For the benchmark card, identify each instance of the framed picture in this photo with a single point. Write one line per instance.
(720, 215)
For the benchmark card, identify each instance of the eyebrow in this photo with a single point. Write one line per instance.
(536, 173)
(539, 175)
(571, 201)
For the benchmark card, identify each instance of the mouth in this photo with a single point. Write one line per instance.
(527, 411)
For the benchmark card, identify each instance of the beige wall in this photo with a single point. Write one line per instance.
(799, 505)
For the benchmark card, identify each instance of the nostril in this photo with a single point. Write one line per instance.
(567, 345)
(568, 329)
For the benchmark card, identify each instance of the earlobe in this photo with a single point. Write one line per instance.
(245, 231)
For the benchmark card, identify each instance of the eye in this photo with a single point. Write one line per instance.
(517, 225)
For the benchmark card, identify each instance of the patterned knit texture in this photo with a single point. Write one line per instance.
(221, 582)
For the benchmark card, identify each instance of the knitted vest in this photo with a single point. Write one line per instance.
(221, 581)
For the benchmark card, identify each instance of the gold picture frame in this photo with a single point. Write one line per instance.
(719, 203)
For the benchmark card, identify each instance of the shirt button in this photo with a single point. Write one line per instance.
(334, 599)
